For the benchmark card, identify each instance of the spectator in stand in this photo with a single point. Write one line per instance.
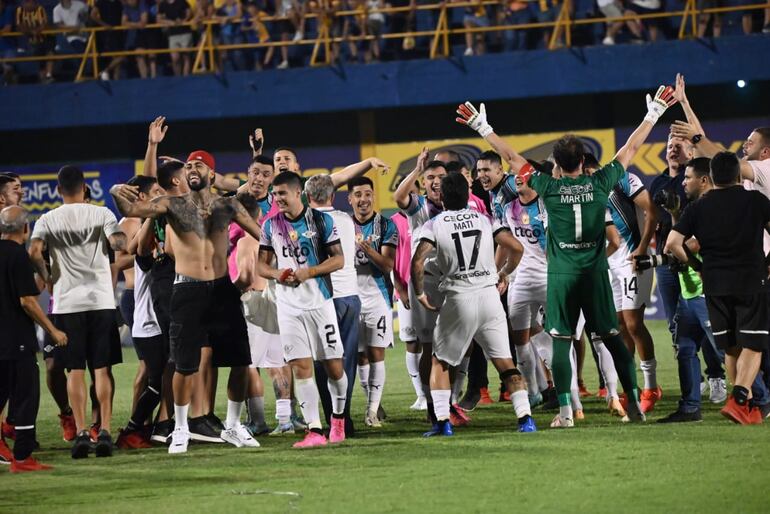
(136, 14)
(204, 11)
(31, 20)
(716, 28)
(652, 25)
(375, 24)
(109, 13)
(515, 13)
(611, 9)
(174, 14)
(544, 11)
(294, 13)
(7, 45)
(72, 14)
(255, 31)
(231, 14)
(475, 16)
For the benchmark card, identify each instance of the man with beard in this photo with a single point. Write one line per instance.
(205, 305)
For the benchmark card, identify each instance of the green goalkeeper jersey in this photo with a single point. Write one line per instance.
(576, 212)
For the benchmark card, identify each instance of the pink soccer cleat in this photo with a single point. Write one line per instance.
(337, 432)
(311, 440)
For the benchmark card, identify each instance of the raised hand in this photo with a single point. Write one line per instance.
(683, 130)
(477, 120)
(379, 164)
(422, 159)
(126, 192)
(157, 130)
(679, 94)
(664, 98)
(256, 142)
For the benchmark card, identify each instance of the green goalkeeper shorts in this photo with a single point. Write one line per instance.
(568, 294)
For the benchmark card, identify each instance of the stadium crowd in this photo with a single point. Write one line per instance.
(266, 275)
(179, 25)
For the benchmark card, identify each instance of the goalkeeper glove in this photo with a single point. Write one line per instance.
(664, 99)
(477, 120)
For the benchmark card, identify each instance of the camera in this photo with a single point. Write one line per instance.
(666, 199)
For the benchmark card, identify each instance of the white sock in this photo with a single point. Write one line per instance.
(256, 407)
(338, 389)
(649, 368)
(234, 410)
(607, 365)
(520, 402)
(543, 343)
(413, 368)
(573, 388)
(441, 403)
(460, 376)
(283, 411)
(307, 398)
(565, 412)
(527, 362)
(180, 416)
(363, 378)
(376, 385)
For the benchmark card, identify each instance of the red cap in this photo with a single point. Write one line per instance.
(203, 156)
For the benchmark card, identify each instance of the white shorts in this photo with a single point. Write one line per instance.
(406, 331)
(631, 291)
(423, 320)
(376, 326)
(525, 298)
(266, 349)
(479, 317)
(310, 333)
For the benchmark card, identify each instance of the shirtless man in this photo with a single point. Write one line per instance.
(205, 304)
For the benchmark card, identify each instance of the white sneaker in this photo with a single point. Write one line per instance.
(104, 76)
(298, 36)
(609, 40)
(634, 414)
(468, 52)
(559, 422)
(718, 388)
(239, 437)
(284, 65)
(419, 404)
(180, 437)
(703, 386)
(371, 420)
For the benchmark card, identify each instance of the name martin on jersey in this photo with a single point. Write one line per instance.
(579, 193)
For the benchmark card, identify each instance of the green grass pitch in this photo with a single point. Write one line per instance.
(600, 466)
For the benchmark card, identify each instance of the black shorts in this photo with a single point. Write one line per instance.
(153, 351)
(739, 320)
(207, 313)
(93, 339)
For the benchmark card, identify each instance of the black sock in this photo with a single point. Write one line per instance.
(67, 412)
(338, 416)
(432, 414)
(317, 431)
(741, 395)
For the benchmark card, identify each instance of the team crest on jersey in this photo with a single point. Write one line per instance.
(525, 218)
(308, 234)
(293, 235)
(359, 237)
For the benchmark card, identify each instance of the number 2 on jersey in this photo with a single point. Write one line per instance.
(578, 222)
(459, 248)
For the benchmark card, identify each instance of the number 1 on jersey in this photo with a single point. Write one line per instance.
(578, 222)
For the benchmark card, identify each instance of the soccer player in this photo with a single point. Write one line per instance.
(19, 311)
(11, 191)
(501, 185)
(734, 275)
(633, 216)
(77, 235)
(377, 239)
(307, 249)
(463, 242)
(205, 306)
(577, 262)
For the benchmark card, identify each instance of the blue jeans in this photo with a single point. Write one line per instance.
(669, 294)
(348, 312)
(516, 39)
(690, 328)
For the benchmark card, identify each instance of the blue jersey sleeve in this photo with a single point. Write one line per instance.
(266, 241)
(330, 235)
(416, 202)
(390, 237)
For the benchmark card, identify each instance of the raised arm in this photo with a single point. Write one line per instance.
(664, 98)
(418, 272)
(348, 173)
(36, 248)
(156, 134)
(477, 120)
(401, 194)
(126, 200)
(681, 97)
(257, 139)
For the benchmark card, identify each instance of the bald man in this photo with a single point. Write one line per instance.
(19, 311)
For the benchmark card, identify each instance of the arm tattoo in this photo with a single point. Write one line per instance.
(118, 241)
(418, 266)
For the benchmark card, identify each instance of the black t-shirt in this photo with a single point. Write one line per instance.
(673, 184)
(111, 11)
(729, 224)
(17, 279)
(173, 11)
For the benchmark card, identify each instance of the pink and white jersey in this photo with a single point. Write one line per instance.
(465, 250)
(528, 222)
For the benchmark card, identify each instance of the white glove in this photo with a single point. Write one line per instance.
(477, 120)
(664, 99)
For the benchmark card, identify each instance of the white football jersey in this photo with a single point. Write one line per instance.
(465, 251)
(528, 224)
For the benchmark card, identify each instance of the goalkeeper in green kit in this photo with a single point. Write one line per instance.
(577, 260)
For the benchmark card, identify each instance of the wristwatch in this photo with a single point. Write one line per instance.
(696, 138)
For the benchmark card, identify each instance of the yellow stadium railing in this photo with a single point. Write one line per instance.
(208, 48)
